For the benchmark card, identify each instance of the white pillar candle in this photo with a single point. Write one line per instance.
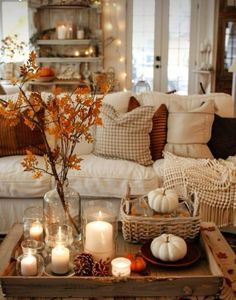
(29, 265)
(36, 231)
(80, 34)
(120, 267)
(99, 239)
(61, 32)
(60, 259)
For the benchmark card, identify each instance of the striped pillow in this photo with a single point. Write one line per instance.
(125, 136)
(158, 134)
(15, 140)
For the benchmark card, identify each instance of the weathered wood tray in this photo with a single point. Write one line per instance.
(203, 278)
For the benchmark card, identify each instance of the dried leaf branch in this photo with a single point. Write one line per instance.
(68, 117)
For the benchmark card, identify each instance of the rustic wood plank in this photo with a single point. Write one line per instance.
(160, 282)
(9, 245)
(136, 287)
(224, 257)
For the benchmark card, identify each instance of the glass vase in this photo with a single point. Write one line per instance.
(69, 213)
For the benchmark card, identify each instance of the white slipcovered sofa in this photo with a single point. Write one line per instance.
(99, 177)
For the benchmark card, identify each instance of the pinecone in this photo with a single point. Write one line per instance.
(84, 264)
(101, 268)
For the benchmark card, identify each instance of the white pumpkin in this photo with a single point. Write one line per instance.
(163, 201)
(168, 247)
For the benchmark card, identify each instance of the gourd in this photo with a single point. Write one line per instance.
(138, 263)
(168, 247)
(163, 201)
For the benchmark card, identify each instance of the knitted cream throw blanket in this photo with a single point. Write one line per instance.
(213, 181)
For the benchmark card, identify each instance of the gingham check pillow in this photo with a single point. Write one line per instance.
(125, 136)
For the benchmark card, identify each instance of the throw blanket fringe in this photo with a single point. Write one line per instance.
(213, 181)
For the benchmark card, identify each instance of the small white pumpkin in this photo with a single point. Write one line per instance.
(168, 247)
(163, 201)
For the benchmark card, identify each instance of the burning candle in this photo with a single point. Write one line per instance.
(29, 265)
(69, 33)
(60, 259)
(61, 32)
(120, 267)
(36, 230)
(99, 239)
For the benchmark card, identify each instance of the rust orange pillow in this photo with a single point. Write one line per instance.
(15, 140)
(158, 134)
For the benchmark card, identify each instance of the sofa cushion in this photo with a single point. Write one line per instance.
(125, 136)
(109, 178)
(15, 183)
(118, 100)
(223, 102)
(159, 128)
(223, 138)
(15, 140)
(189, 131)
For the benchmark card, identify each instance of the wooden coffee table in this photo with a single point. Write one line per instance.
(205, 277)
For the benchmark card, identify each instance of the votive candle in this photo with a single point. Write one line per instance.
(29, 265)
(60, 259)
(36, 230)
(120, 267)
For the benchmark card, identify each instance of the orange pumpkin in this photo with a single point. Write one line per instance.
(45, 72)
(138, 263)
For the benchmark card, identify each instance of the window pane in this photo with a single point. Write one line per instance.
(15, 23)
(143, 41)
(230, 44)
(178, 54)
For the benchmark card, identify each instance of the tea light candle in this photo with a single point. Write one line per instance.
(61, 32)
(29, 265)
(60, 259)
(36, 231)
(99, 239)
(120, 267)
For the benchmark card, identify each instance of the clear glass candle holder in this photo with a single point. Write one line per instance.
(100, 229)
(59, 261)
(32, 246)
(58, 233)
(29, 264)
(33, 223)
(121, 267)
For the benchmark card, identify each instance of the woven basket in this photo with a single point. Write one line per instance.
(139, 229)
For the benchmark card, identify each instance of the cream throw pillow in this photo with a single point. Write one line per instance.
(125, 136)
(189, 131)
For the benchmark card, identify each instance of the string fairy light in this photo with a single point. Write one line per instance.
(115, 25)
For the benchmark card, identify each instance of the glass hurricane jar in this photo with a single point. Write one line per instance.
(58, 233)
(100, 229)
(33, 223)
(30, 263)
(69, 213)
